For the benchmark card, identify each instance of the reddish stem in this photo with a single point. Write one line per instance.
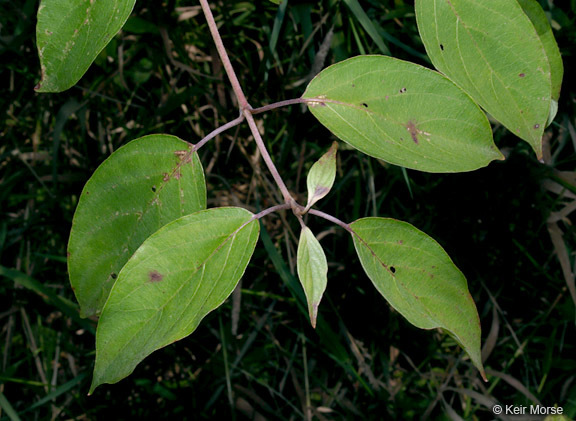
(242, 102)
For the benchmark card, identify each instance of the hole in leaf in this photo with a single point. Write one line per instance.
(154, 189)
(402, 90)
(365, 105)
(536, 126)
(113, 275)
(441, 47)
(392, 269)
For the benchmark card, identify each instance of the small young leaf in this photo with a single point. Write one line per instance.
(312, 270)
(321, 176)
(402, 113)
(177, 276)
(141, 187)
(70, 34)
(418, 279)
(491, 49)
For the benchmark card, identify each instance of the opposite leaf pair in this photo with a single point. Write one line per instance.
(152, 294)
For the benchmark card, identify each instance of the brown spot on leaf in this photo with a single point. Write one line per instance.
(522, 75)
(177, 174)
(165, 177)
(413, 130)
(536, 126)
(155, 276)
(185, 156)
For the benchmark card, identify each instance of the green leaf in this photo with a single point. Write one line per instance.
(538, 18)
(321, 176)
(312, 270)
(141, 187)
(491, 49)
(402, 113)
(70, 34)
(418, 279)
(179, 275)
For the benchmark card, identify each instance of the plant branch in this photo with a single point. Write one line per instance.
(313, 101)
(266, 156)
(332, 219)
(244, 106)
(283, 206)
(242, 102)
(219, 130)
(280, 104)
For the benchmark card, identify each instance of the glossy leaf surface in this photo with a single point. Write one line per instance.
(416, 276)
(312, 271)
(70, 34)
(181, 273)
(321, 176)
(402, 113)
(141, 187)
(491, 49)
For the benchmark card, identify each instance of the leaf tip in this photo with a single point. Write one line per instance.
(93, 386)
(313, 315)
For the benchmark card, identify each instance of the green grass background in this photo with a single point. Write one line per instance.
(257, 357)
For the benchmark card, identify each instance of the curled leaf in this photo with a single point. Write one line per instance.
(321, 176)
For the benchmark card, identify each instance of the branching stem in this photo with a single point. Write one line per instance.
(245, 108)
